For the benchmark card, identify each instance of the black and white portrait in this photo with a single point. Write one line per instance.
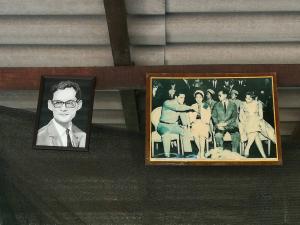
(211, 118)
(64, 113)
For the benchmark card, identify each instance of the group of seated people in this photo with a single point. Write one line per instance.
(201, 117)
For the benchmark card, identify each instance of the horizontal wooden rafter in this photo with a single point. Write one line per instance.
(133, 77)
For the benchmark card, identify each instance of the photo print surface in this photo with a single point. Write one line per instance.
(218, 119)
(64, 113)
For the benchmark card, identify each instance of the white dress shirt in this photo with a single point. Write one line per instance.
(62, 132)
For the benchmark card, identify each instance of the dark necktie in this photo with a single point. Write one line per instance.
(225, 107)
(69, 143)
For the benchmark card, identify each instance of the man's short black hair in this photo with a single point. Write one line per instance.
(180, 91)
(224, 91)
(66, 84)
(251, 94)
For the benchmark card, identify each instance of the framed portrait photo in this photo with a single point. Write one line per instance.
(64, 113)
(212, 119)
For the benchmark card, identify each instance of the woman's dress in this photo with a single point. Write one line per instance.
(200, 120)
(251, 114)
(251, 117)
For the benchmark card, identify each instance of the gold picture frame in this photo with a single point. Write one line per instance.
(185, 126)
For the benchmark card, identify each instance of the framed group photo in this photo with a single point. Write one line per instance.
(64, 113)
(212, 119)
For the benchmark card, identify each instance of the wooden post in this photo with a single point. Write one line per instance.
(116, 17)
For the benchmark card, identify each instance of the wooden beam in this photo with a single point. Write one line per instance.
(130, 110)
(134, 77)
(116, 17)
(295, 137)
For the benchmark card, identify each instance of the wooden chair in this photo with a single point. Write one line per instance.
(226, 137)
(262, 138)
(155, 136)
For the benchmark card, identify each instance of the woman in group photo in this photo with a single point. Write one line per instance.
(200, 120)
(253, 124)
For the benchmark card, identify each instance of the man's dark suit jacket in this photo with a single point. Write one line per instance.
(230, 117)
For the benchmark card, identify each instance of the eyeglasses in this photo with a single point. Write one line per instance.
(68, 104)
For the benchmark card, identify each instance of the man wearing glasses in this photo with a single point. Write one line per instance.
(60, 131)
(224, 116)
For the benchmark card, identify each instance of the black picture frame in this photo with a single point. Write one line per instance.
(83, 118)
(155, 155)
